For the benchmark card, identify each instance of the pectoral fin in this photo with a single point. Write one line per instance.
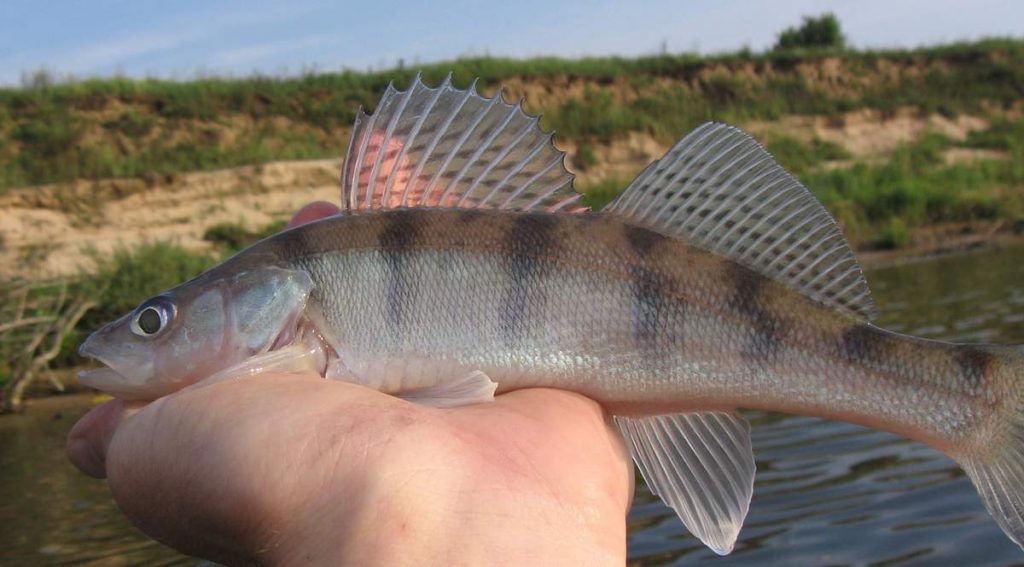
(419, 380)
(296, 358)
(472, 388)
(701, 465)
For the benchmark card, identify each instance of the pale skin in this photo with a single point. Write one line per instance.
(294, 469)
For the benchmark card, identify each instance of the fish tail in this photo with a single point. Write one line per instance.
(997, 467)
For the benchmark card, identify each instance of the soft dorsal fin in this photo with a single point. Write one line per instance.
(718, 189)
(445, 147)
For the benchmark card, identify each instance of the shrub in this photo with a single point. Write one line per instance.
(894, 235)
(585, 158)
(799, 157)
(229, 236)
(822, 32)
(131, 123)
(598, 195)
(232, 237)
(999, 135)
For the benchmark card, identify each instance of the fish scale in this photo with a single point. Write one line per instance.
(463, 267)
(745, 331)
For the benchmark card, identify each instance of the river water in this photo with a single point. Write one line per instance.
(826, 493)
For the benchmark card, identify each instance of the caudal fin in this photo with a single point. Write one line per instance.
(1000, 482)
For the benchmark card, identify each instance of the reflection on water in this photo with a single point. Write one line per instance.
(826, 492)
(50, 514)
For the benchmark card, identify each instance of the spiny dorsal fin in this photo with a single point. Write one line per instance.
(718, 189)
(701, 465)
(445, 147)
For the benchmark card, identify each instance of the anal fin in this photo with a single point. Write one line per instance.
(701, 465)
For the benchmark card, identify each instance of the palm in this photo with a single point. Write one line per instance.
(270, 461)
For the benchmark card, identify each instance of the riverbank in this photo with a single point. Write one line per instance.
(64, 230)
(894, 143)
(53, 131)
(945, 240)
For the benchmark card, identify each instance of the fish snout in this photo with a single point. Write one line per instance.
(88, 347)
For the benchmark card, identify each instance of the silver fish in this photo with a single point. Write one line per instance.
(464, 267)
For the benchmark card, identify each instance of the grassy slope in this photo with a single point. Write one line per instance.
(120, 127)
(117, 127)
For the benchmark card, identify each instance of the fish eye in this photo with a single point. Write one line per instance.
(152, 317)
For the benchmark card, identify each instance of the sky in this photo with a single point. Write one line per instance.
(189, 38)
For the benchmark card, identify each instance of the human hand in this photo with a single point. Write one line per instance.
(284, 469)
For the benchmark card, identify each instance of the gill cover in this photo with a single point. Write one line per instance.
(196, 329)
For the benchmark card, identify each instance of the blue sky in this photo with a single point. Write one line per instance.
(182, 39)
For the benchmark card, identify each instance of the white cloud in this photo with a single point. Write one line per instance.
(163, 39)
(122, 49)
(256, 53)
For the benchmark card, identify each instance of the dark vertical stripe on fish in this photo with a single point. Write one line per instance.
(528, 246)
(467, 216)
(396, 241)
(861, 343)
(650, 312)
(643, 241)
(294, 244)
(975, 366)
(748, 299)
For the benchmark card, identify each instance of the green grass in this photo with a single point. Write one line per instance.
(801, 158)
(233, 237)
(1000, 135)
(600, 194)
(877, 204)
(117, 127)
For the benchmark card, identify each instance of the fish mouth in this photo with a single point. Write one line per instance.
(99, 378)
(114, 383)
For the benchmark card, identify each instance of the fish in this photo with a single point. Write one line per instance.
(463, 266)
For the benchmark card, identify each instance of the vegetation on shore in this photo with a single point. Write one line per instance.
(98, 128)
(878, 204)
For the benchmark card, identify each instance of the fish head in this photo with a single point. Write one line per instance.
(195, 330)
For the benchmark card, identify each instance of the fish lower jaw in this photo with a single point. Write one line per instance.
(109, 381)
(99, 378)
